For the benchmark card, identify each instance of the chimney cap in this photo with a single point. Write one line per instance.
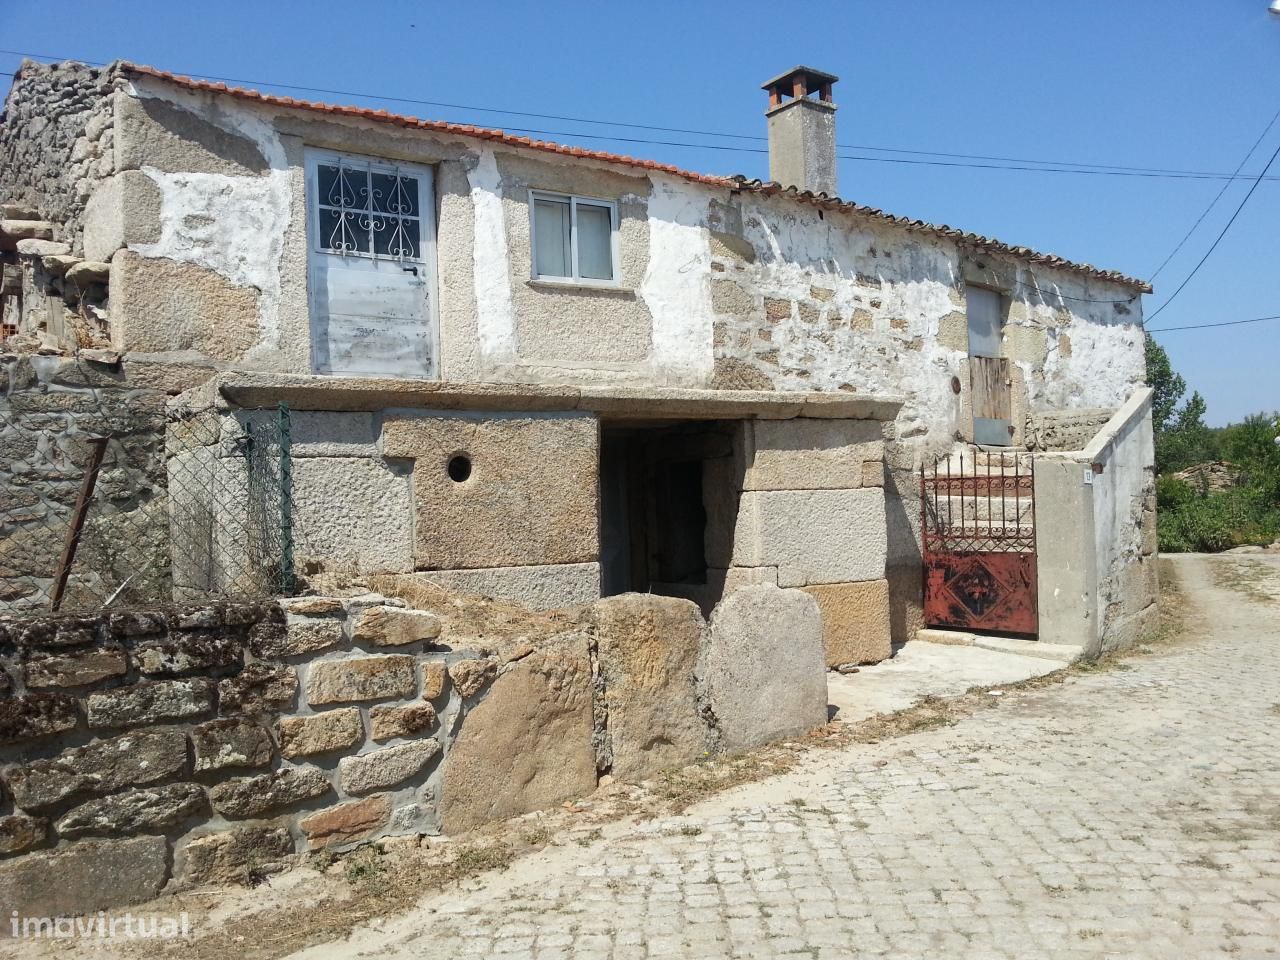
(812, 79)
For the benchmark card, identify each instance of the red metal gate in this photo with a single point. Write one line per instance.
(978, 521)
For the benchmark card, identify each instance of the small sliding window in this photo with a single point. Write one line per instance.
(575, 239)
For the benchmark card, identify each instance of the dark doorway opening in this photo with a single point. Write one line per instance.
(666, 506)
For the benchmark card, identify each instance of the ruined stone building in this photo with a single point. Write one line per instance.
(499, 409)
(546, 373)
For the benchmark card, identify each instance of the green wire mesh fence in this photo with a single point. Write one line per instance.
(120, 505)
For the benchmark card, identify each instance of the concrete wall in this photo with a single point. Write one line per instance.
(1096, 536)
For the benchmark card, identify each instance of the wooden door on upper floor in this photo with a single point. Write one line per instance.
(989, 379)
(371, 266)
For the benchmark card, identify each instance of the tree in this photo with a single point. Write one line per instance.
(1253, 446)
(1166, 384)
(1182, 438)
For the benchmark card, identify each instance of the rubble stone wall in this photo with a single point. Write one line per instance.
(193, 744)
(49, 408)
(56, 141)
(1064, 430)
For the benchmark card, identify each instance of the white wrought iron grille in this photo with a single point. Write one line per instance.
(369, 212)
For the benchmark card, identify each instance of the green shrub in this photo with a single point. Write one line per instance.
(1172, 493)
(1212, 522)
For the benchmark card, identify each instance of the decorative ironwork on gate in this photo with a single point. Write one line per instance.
(979, 539)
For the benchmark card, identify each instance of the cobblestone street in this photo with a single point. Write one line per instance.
(1132, 812)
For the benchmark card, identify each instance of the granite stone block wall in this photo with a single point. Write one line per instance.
(480, 502)
(811, 514)
(191, 744)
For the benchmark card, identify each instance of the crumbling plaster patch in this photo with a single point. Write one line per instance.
(1105, 364)
(888, 308)
(867, 272)
(233, 225)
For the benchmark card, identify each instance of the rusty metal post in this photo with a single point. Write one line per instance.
(98, 448)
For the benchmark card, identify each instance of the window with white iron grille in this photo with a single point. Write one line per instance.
(368, 211)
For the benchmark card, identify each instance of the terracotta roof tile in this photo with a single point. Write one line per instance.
(737, 183)
(961, 237)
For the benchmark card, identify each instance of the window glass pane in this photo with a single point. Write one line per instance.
(595, 248)
(359, 180)
(551, 238)
(392, 194)
(341, 187)
(984, 311)
(344, 231)
(395, 237)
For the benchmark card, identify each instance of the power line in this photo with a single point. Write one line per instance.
(1005, 163)
(1194, 226)
(1214, 202)
(1021, 164)
(1205, 326)
(845, 156)
(1218, 239)
(1063, 296)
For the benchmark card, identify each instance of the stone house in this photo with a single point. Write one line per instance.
(548, 374)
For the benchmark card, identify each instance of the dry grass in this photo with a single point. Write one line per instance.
(366, 883)
(1253, 578)
(676, 790)
(537, 837)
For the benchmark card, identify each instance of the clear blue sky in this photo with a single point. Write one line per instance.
(1173, 84)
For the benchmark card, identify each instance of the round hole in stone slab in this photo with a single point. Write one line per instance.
(459, 467)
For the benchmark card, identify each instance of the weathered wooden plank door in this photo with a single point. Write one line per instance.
(371, 266)
(989, 381)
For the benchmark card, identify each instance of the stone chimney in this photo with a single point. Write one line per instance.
(802, 130)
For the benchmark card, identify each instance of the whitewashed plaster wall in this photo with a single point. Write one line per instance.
(848, 303)
(231, 224)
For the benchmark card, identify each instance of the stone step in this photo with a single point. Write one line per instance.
(974, 527)
(11, 231)
(979, 470)
(1063, 653)
(18, 211)
(1010, 510)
